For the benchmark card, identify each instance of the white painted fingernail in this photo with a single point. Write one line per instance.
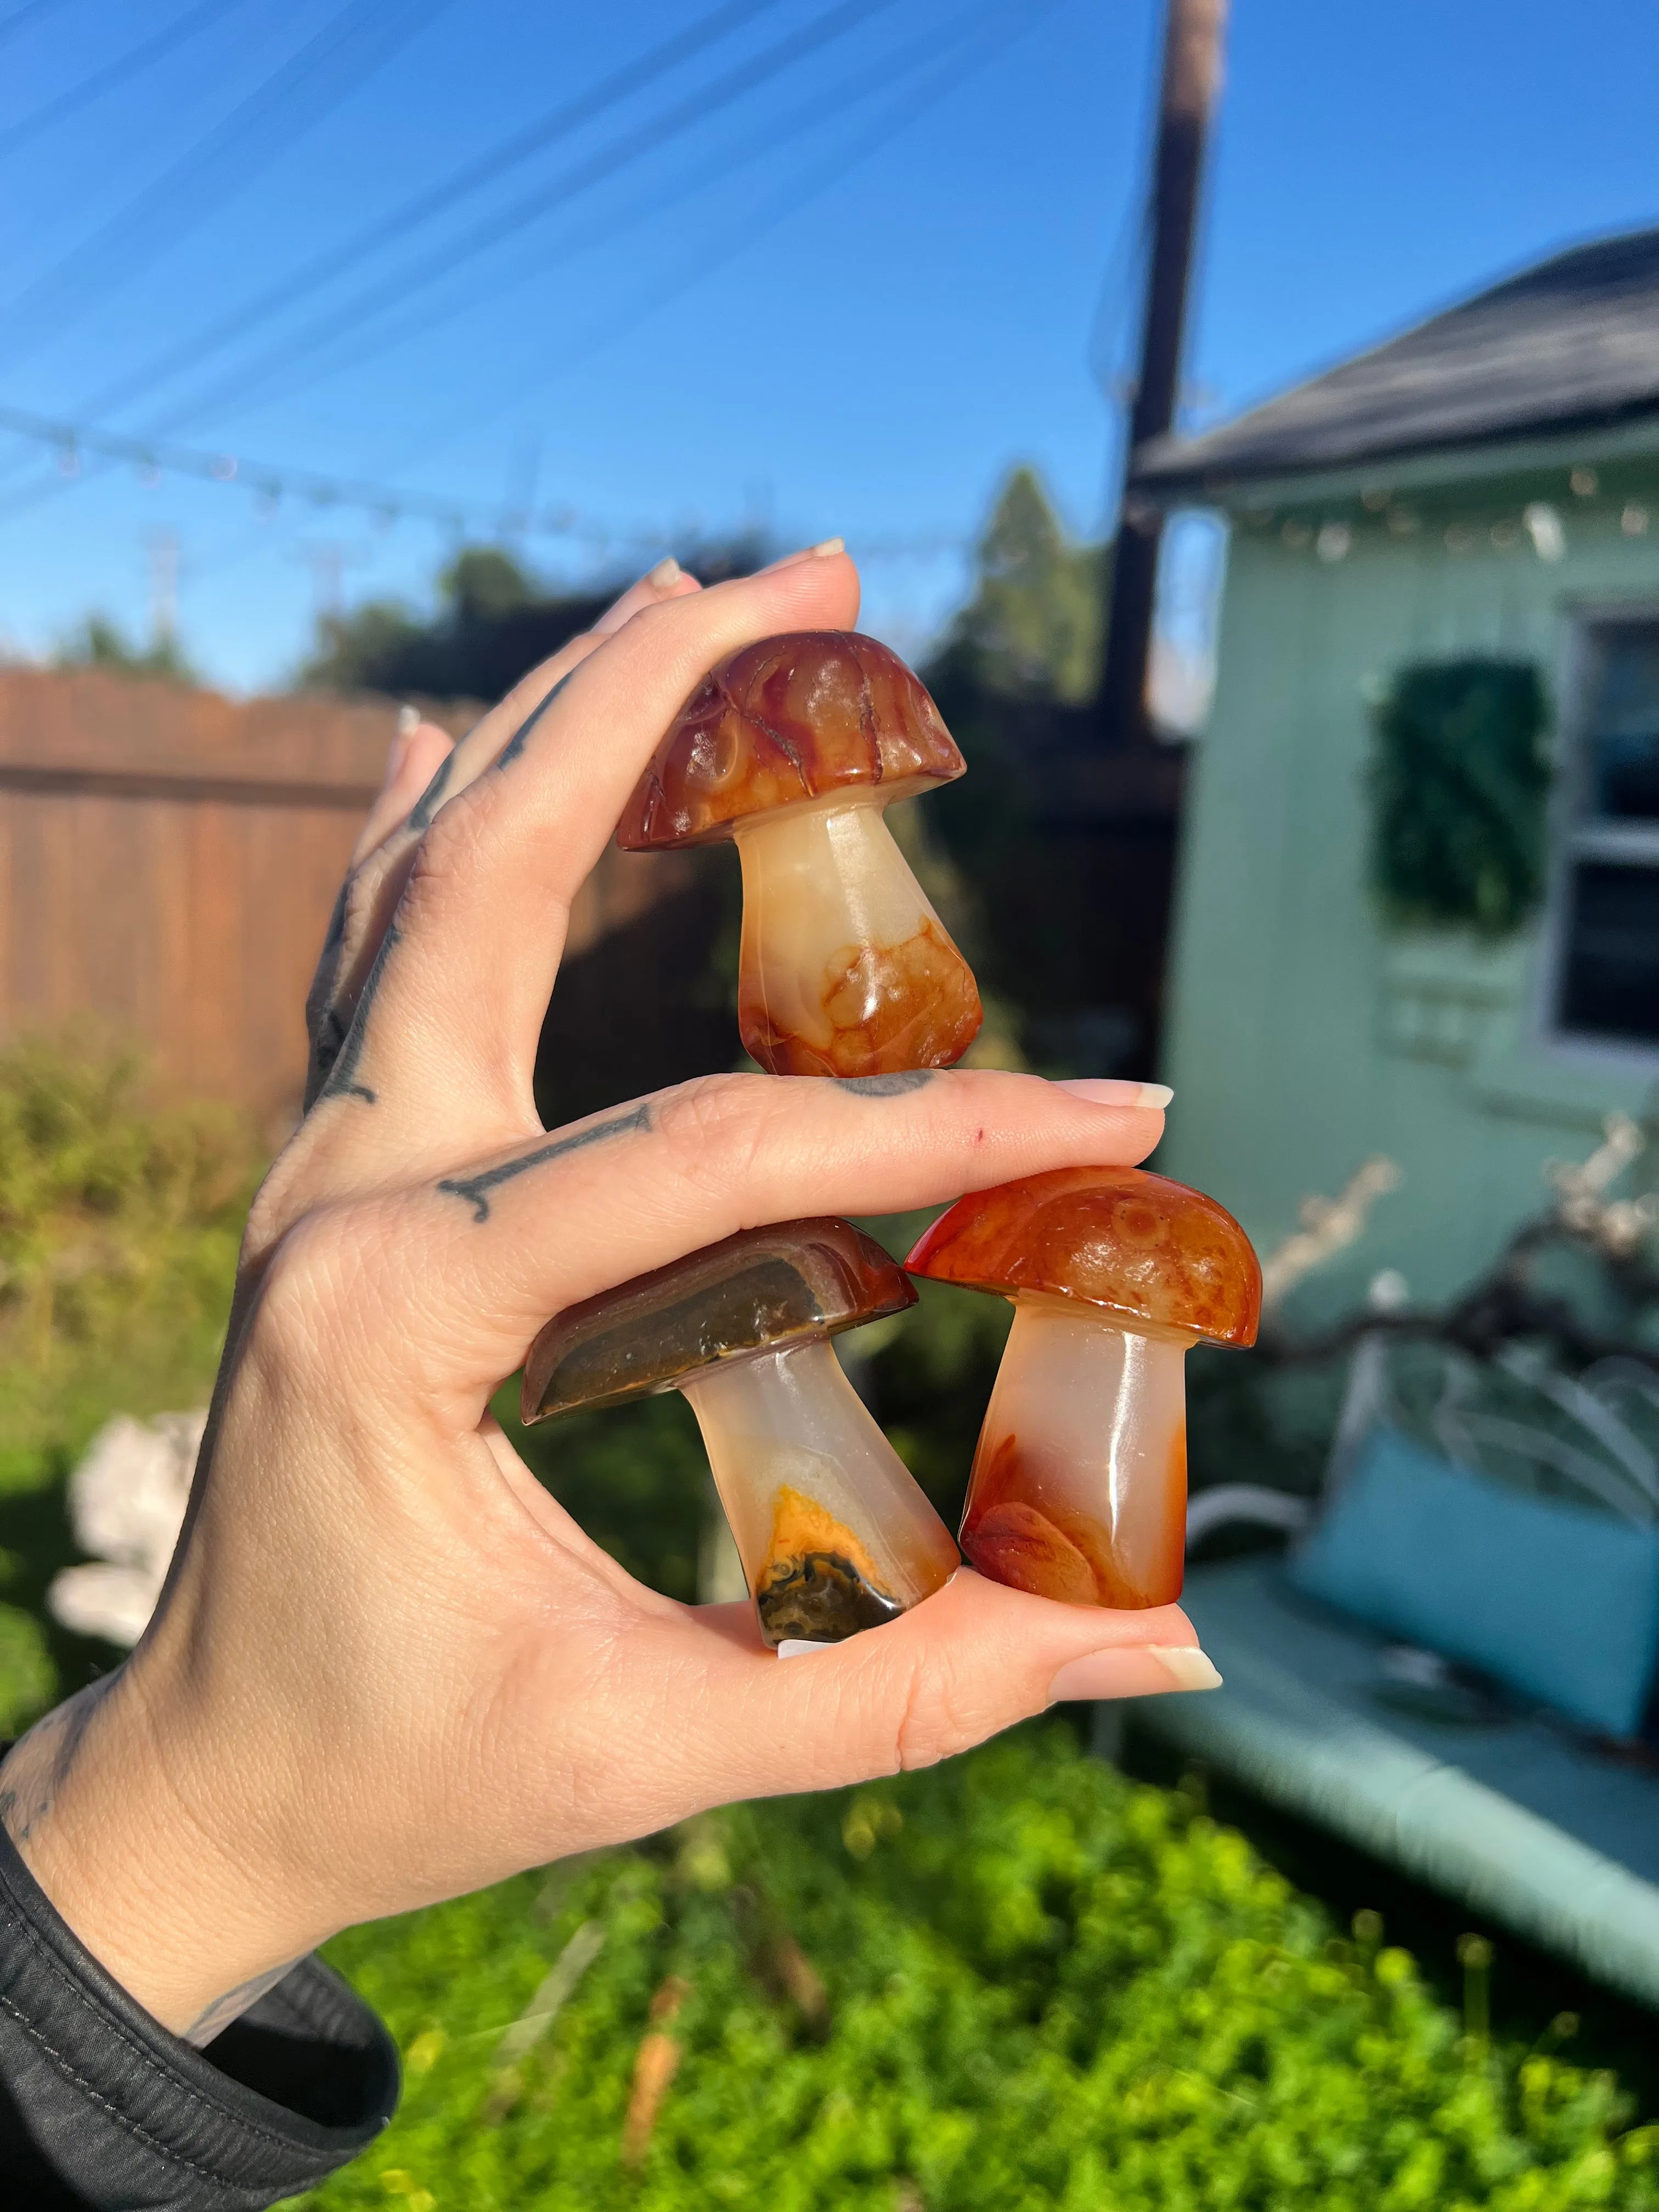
(1190, 1668)
(667, 572)
(1111, 1090)
(825, 546)
(795, 1647)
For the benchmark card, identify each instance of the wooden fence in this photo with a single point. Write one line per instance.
(168, 859)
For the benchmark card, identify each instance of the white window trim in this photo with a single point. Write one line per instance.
(1572, 838)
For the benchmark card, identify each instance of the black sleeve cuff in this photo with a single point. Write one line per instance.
(101, 2108)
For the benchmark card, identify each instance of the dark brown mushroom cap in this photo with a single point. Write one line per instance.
(792, 719)
(756, 1292)
(1134, 1243)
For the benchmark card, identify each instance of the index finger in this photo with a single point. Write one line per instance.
(510, 1241)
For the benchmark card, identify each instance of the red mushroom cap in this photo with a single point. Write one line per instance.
(792, 719)
(1134, 1243)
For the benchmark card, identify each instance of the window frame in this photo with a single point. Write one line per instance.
(1573, 837)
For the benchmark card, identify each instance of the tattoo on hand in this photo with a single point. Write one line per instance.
(38, 1762)
(341, 1080)
(433, 797)
(515, 744)
(885, 1086)
(476, 1188)
(214, 2019)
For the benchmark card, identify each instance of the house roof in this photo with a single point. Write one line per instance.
(1570, 344)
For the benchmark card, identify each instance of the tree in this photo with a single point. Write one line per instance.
(494, 621)
(1032, 629)
(1069, 855)
(99, 642)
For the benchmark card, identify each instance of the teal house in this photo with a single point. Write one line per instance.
(1473, 504)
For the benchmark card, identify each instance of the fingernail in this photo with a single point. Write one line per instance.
(1101, 1673)
(1111, 1091)
(409, 721)
(1192, 1668)
(666, 573)
(817, 552)
(797, 1647)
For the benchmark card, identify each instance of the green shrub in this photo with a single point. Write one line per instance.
(119, 1222)
(1015, 1982)
(28, 1679)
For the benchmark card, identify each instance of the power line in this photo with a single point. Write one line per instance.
(556, 123)
(396, 289)
(701, 104)
(114, 73)
(1022, 17)
(822, 107)
(220, 164)
(1025, 15)
(21, 18)
(387, 502)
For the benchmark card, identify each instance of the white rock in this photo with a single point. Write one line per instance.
(126, 1503)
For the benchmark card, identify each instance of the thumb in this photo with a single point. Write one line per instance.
(970, 1661)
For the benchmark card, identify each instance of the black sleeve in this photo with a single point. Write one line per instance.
(101, 2108)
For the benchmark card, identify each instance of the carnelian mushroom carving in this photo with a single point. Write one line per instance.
(792, 748)
(1080, 1483)
(833, 1535)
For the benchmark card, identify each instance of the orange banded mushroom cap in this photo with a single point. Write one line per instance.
(1137, 1245)
(791, 719)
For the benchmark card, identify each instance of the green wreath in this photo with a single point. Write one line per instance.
(1460, 780)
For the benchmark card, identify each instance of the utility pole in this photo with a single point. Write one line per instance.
(163, 586)
(1191, 80)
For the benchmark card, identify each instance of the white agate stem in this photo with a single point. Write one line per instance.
(791, 1419)
(1096, 1411)
(818, 882)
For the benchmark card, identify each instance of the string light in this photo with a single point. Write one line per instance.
(384, 504)
(1541, 524)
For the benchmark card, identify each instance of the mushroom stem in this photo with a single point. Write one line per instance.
(1080, 1483)
(845, 968)
(833, 1535)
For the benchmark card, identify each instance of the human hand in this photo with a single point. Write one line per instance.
(387, 1666)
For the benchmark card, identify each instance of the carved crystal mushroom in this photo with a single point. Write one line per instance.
(792, 748)
(833, 1535)
(1080, 1483)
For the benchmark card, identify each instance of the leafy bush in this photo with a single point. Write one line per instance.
(119, 1221)
(1015, 1982)
(28, 1679)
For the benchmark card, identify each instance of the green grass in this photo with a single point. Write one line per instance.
(1041, 1986)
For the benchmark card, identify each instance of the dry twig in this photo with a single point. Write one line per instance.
(655, 2068)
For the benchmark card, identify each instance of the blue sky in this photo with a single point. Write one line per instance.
(845, 296)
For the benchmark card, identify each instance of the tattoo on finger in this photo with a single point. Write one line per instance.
(341, 1081)
(515, 744)
(433, 797)
(476, 1188)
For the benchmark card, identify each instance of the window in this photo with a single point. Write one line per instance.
(1607, 985)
